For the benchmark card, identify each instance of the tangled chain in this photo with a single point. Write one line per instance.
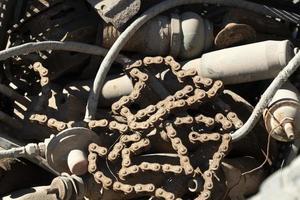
(134, 133)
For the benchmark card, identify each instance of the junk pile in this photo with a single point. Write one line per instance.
(140, 99)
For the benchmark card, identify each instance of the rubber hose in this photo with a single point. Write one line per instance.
(112, 54)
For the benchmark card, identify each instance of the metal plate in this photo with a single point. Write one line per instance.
(60, 146)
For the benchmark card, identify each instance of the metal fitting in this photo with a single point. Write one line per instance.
(66, 152)
(283, 114)
(67, 187)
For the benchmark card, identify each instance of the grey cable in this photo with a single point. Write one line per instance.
(92, 104)
(57, 45)
(266, 98)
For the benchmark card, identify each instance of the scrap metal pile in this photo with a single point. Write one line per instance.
(141, 99)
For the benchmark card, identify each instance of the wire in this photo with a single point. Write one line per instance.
(112, 54)
(57, 45)
(266, 98)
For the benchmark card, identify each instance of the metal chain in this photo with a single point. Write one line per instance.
(134, 140)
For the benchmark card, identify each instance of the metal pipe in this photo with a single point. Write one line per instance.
(266, 98)
(57, 45)
(112, 54)
(246, 63)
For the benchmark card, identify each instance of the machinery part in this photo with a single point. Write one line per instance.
(251, 71)
(185, 36)
(234, 34)
(129, 32)
(117, 12)
(283, 184)
(280, 79)
(56, 45)
(64, 187)
(8, 143)
(235, 65)
(283, 113)
(65, 152)
(26, 151)
(154, 140)
(135, 138)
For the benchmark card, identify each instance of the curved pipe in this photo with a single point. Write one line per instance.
(112, 54)
(57, 45)
(267, 97)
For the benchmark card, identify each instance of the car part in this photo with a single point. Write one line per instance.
(125, 36)
(281, 115)
(261, 63)
(160, 131)
(185, 36)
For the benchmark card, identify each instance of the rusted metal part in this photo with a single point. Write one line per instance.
(257, 22)
(116, 12)
(235, 34)
(185, 36)
(135, 138)
(65, 152)
(229, 64)
(64, 187)
(282, 115)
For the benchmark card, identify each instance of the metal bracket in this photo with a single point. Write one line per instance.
(116, 12)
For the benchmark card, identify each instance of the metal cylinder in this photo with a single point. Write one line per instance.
(185, 36)
(77, 162)
(283, 114)
(115, 87)
(247, 63)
